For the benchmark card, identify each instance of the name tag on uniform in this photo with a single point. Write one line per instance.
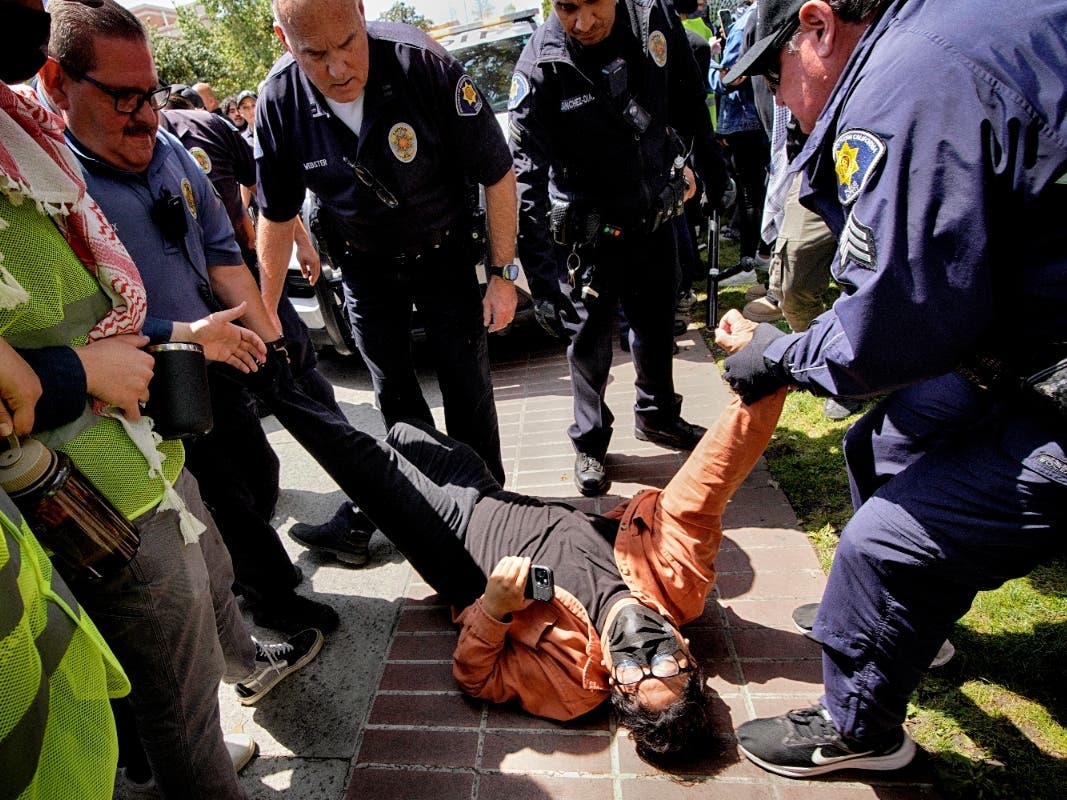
(572, 103)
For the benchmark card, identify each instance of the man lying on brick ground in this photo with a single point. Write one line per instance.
(624, 582)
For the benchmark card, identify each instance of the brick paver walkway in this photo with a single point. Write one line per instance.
(423, 739)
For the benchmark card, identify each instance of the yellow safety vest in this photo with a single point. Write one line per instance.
(57, 733)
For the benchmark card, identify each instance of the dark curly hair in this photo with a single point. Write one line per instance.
(673, 734)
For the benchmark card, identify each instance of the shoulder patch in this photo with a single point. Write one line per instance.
(403, 142)
(202, 159)
(856, 155)
(468, 101)
(190, 198)
(856, 244)
(657, 48)
(520, 87)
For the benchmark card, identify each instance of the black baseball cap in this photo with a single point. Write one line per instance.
(776, 22)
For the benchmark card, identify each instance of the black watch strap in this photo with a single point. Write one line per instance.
(508, 272)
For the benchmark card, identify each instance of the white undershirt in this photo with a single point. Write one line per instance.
(350, 113)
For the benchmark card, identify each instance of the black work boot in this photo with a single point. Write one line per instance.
(346, 535)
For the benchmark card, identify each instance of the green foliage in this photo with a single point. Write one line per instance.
(402, 12)
(232, 47)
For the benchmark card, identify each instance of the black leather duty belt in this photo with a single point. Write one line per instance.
(433, 242)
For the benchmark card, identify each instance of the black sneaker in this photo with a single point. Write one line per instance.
(839, 408)
(293, 613)
(680, 435)
(804, 621)
(347, 535)
(589, 475)
(276, 661)
(805, 743)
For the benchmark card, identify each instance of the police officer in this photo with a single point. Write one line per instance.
(393, 137)
(606, 102)
(171, 221)
(946, 196)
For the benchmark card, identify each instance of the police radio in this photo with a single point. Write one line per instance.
(617, 81)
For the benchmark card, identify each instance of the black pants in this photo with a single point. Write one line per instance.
(640, 272)
(238, 475)
(398, 498)
(443, 286)
(750, 153)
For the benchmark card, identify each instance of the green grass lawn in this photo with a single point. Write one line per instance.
(994, 721)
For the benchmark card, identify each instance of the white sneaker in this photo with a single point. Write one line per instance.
(241, 748)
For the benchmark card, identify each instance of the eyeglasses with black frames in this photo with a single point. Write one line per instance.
(127, 101)
(664, 665)
(773, 74)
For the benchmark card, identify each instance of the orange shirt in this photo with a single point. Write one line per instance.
(548, 656)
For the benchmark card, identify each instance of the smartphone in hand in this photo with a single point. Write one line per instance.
(539, 583)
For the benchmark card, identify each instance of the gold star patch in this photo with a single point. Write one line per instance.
(857, 155)
(468, 101)
(846, 164)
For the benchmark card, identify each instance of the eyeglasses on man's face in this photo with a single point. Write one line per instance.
(664, 665)
(773, 73)
(127, 101)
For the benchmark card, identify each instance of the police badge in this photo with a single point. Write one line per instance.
(403, 142)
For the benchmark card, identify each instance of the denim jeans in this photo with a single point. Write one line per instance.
(172, 620)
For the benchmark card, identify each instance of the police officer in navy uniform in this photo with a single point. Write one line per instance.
(606, 103)
(394, 139)
(941, 168)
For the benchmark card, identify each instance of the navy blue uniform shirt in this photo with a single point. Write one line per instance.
(426, 131)
(939, 162)
(571, 141)
(224, 155)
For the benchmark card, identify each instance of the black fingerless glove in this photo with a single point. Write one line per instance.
(751, 375)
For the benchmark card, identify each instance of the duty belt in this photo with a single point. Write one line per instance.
(433, 242)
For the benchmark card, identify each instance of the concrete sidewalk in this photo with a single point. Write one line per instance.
(378, 715)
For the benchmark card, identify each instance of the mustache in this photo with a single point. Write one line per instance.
(139, 129)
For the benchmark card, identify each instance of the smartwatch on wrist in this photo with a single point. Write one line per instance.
(508, 272)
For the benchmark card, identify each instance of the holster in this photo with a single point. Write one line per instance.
(670, 203)
(1049, 385)
(571, 224)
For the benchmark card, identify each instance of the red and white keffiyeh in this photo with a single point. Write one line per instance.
(35, 164)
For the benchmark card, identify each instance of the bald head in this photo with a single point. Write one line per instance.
(292, 15)
(328, 41)
(207, 94)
